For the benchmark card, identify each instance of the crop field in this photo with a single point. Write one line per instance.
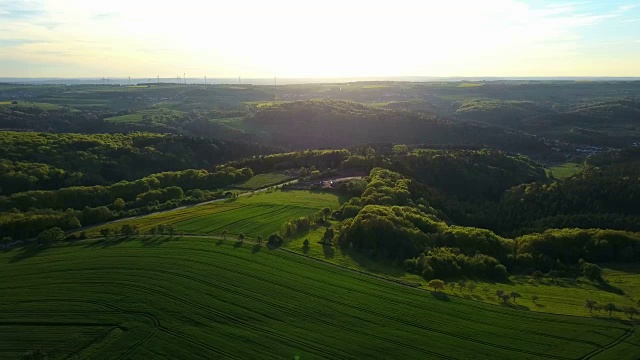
(263, 180)
(185, 298)
(255, 215)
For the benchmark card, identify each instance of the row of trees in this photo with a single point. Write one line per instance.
(158, 187)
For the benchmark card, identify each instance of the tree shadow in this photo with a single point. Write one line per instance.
(609, 288)
(305, 249)
(516, 306)
(539, 305)
(28, 251)
(440, 296)
(256, 248)
(219, 242)
(108, 242)
(157, 241)
(329, 251)
(237, 244)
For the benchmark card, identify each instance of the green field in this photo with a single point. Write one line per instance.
(43, 106)
(255, 215)
(263, 180)
(185, 298)
(564, 171)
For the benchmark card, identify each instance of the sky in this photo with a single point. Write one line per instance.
(316, 39)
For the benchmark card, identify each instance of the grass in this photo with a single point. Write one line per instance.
(180, 298)
(565, 170)
(263, 180)
(260, 214)
(561, 296)
(375, 86)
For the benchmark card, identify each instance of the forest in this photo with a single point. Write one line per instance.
(496, 195)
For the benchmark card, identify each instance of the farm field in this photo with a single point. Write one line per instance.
(260, 214)
(139, 299)
(560, 296)
(263, 180)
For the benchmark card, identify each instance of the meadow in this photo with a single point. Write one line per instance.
(202, 298)
(564, 171)
(556, 296)
(259, 214)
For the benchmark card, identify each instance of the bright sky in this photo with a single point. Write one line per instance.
(327, 38)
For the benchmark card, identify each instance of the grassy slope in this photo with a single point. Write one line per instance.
(562, 296)
(258, 214)
(186, 298)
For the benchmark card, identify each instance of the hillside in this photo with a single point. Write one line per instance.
(137, 299)
(325, 123)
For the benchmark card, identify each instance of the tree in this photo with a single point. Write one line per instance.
(105, 232)
(515, 295)
(592, 272)
(74, 223)
(306, 243)
(275, 240)
(462, 285)
(127, 230)
(453, 286)
(630, 311)
(241, 237)
(534, 297)
(472, 286)
(224, 234)
(171, 229)
(327, 238)
(51, 235)
(590, 304)
(152, 231)
(259, 239)
(436, 284)
(499, 293)
(505, 298)
(118, 204)
(610, 307)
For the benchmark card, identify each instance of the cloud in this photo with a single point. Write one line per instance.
(289, 37)
(105, 16)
